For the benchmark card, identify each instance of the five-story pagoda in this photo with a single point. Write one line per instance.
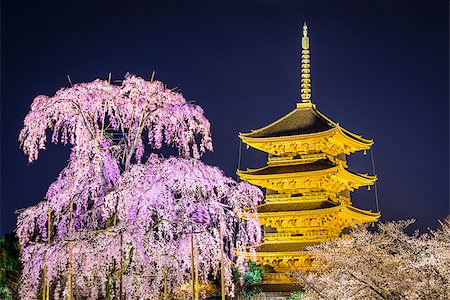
(307, 181)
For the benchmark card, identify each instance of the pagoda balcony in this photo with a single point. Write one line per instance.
(310, 197)
(305, 159)
(282, 262)
(278, 278)
(307, 197)
(312, 236)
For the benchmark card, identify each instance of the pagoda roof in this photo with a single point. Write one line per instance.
(304, 123)
(341, 210)
(304, 119)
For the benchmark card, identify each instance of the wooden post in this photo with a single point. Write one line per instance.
(192, 265)
(49, 228)
(153, 76)
(121, 267)
(165, 286)
(222, 268)
(47, 297)
(45, 287)
(70, 292)
(165, 278)
(196, 272)
(70, 214)
(44, 282)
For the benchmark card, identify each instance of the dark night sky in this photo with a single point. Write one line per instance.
(380, 69)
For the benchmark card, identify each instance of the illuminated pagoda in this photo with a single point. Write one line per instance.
(307, 182)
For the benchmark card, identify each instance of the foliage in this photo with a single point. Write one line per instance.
(10, 266)
(122, 227)
(247, 283)
(388, 264)
(297, 295)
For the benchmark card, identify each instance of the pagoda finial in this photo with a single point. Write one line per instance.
(305, 86)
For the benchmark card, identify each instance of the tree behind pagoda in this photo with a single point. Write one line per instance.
(387, 264)
(113, 226)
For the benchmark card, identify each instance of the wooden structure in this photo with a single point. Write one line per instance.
(307, 182)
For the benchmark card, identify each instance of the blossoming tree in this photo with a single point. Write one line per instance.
(388, 264)
(117, 227)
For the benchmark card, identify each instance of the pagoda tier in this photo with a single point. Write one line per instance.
(321, 175)
(305, 130)
(288, 232)
(311, 223)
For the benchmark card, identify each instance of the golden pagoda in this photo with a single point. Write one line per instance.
(307, 182)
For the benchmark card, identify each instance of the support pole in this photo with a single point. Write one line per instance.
(222, 268)
(165, 278)
(196, 273)
(153, 76)
(44, 282)
(165, 286)
(45, 286)
(121, 268)
(49, 228)
(70, 292)
(192, 265)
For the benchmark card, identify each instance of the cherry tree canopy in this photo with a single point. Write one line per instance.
(388, 264)
(115, 219)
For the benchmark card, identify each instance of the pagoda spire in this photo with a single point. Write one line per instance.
(305, 86)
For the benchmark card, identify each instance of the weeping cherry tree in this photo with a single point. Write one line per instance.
(116, 224)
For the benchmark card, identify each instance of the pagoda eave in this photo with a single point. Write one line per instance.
(355, 212)
(333, 142)
(334, 179)
(337, 217)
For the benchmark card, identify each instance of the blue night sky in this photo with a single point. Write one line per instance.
(380, 69)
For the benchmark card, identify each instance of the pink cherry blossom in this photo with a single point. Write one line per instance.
(118, 218)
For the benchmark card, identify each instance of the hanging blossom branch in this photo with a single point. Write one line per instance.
(88, 116)
(128, 221)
